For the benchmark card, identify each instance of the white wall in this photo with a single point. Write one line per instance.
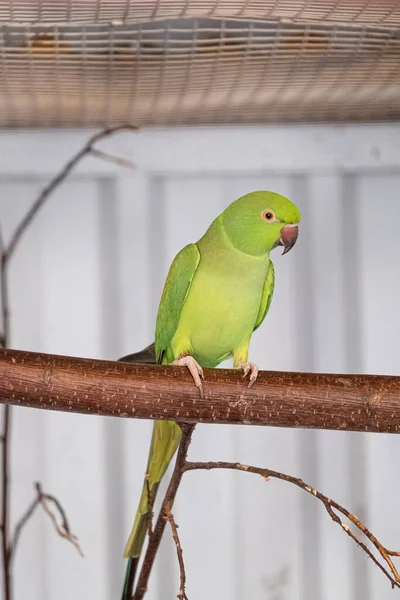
(86, 281)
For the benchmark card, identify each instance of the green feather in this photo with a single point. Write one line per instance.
(175, 291)
(266, 298)
(164, 442)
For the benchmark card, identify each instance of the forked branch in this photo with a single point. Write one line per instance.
(61, 524)
(386, 565)
(88, 148)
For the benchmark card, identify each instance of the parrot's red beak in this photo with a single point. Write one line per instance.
(288, 237)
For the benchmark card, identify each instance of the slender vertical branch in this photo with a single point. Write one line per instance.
(5, 312)
(5, 501)
(155, 537)
(6, 253)
(5, 433)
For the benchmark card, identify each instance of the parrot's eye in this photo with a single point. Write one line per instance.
(268, 215)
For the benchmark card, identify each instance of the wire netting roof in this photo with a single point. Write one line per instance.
(96, 63)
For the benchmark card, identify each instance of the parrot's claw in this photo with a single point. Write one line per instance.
(249, 367)
(194, 368)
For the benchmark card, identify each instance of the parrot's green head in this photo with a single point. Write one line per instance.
(260, 221)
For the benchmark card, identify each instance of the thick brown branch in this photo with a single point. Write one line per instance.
(346, 402)
(174, 528)
(155, 537)
(330, 505)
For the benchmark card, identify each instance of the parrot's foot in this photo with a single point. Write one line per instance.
(249, 367)
(194, 368)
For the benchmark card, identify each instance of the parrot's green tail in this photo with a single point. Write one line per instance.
(164, 443)
(130, 573)
(137, 536)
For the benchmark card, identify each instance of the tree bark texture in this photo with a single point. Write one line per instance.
(281, 399)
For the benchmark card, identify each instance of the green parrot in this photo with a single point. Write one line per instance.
(217, 292)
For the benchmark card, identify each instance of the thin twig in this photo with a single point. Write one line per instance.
(117, 160)
(5, 501)
(57, 180)
(43, 499)
(19, 527)
(4, 332)
(64, 529)
(330, 505)
(174, 528)
(155, 538)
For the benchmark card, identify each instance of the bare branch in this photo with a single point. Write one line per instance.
(6, 427)
(19, 527)
(6, 254)
(63, 530)
(57, 180)
(343, 402)
(5, 498)
(5, 321)
(330, 505)
(43, 500)
(174, 528)
(155, 537)
(117, 160)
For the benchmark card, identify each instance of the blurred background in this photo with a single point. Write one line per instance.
(87, 277)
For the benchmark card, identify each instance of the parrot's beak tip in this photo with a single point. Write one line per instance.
(288, 238)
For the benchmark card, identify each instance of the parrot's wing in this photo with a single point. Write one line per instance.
(176, 289)
(266, 297)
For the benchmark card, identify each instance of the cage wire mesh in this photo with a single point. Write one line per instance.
(105, 62)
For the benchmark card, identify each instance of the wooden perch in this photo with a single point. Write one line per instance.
(346, 402)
